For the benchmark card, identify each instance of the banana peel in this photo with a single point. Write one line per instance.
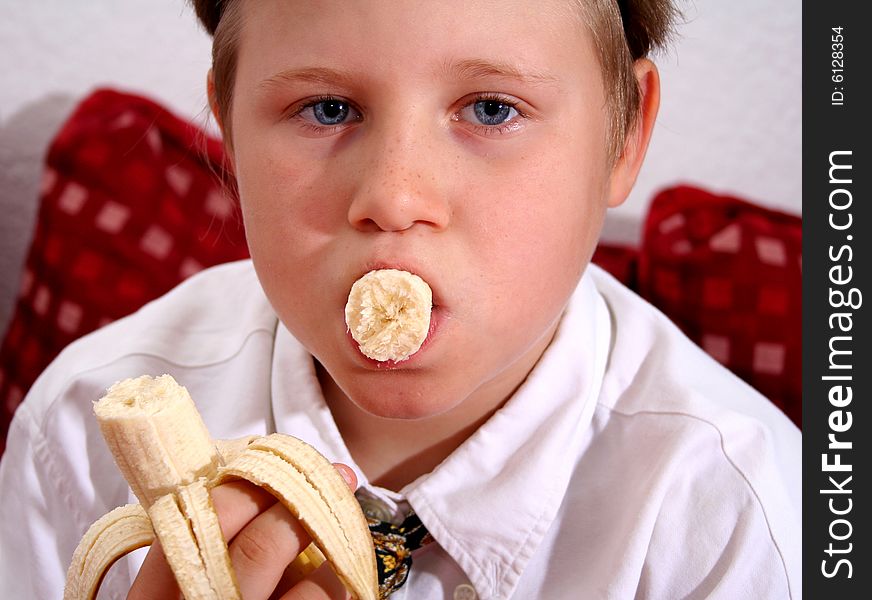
(165, 453)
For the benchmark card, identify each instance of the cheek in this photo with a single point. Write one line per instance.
(532, 240)
(290, 226)
(288, 205)
(543, 225)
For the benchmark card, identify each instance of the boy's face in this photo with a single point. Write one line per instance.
(461, 140)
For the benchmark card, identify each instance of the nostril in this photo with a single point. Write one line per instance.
(366, 225)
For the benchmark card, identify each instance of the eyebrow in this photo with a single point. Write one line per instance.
(462, 69)
(321, 75)
(481, 69)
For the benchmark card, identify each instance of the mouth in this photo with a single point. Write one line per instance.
(437, 317)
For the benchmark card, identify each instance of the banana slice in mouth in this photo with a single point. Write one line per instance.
(388, 314)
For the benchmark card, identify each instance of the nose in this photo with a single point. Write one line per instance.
(399, 184)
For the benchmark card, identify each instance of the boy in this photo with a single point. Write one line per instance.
(556, 436)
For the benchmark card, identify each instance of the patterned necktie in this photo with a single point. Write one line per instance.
(394, 545)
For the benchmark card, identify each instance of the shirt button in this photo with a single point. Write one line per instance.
(464, 591)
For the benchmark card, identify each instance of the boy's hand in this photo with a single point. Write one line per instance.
(263, 539)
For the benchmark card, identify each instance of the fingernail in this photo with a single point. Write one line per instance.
(346, 473)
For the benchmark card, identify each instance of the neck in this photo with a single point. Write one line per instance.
(394, 452)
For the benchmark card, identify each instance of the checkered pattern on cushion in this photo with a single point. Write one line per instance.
(729, 273)
(130, 206)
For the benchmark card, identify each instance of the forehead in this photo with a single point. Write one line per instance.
(542, 41)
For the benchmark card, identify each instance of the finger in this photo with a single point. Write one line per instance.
(262, 550)
(320, 584)
(237, 503)
(155, 580)
(267, 544)
(348, 474)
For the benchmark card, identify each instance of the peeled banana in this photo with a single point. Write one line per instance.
(388, 314)
(164, 451)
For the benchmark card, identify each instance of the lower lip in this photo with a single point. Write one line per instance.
(436, 318)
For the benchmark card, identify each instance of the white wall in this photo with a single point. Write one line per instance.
(729, 120)
(731, 113)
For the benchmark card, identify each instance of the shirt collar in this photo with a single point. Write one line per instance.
(490, 503)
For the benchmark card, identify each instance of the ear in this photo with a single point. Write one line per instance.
(627, 166)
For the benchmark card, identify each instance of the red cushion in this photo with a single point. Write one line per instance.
(729, 273)
(130, 205)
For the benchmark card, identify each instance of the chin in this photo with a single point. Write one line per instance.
(394, 396)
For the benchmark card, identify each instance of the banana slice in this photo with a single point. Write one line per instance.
(162, 447)
(388, 314)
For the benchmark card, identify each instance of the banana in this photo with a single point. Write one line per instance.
(388, 314)
(165, 453)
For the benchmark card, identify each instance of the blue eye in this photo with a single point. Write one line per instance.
(489, 112)
(328, 112)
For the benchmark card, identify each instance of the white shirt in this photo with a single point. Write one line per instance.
(628, 465)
